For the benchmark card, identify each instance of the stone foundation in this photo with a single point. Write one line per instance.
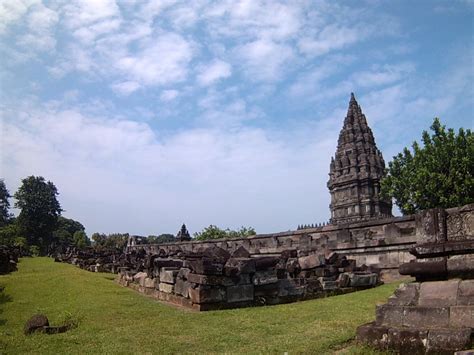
(213, 279)
(435, 314)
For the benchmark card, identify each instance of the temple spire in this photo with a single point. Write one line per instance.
(356, 170)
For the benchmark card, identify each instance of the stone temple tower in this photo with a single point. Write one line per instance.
(355, 172)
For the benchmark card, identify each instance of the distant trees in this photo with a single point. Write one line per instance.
(437, 174)
(162, 238)
(69, 233)
(40, 209)
(39, 227)
(214, 232)
(4, 204)
(114, 240)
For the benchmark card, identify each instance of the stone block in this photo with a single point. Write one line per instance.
(213, 280)
(240, 293)
(448, 340)
(329, 285)
(165, 262)
(149, 283)
(183, 273)
(363, 280)
(425, 317)
(265, 262)
(407, 341)
(461, 316)
(267, 290)
(309, 262)
(168, 275)
(466, 293)
(344, 280)
(405, 295)
(424, 268)
(438, 293)
(287, 287)
(373, 335)
(236, 266)
(461, 264)
(165, 287)
(206, 266)
(265, 277)
(388, 315)
(138, 276)
(182, 287)
(206, 294)
(241, 252)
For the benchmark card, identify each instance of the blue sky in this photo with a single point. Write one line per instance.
(147, 114)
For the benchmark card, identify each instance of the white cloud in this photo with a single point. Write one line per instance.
(265, 59)
(12, 11)
(142, 183)
(126, 87)
(159, 61)
(169, 95)
(213, 72)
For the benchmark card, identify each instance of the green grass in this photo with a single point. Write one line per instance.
(117, 320)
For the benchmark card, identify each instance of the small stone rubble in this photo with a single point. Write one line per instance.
(212, 278)
(95, 260)
(434, 314)
(9, 258)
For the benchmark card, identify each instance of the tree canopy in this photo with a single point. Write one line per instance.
(214, 232)
(4, 204)
(40, 210)
(437, 174)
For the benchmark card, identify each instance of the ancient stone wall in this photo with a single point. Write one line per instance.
(382, 243)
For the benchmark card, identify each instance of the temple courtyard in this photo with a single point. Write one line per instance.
(114, 319)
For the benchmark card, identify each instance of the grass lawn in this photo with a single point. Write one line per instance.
(113, 319)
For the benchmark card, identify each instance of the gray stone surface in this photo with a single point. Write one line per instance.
(309, 262)
(466, 293)
(448, 340)
(168, 275)
(240, 293)
(389, 315)
(165, 287)
(425, 317)
(461, 316)
(439, 293)
(405, 295)
(265, 277)
(207, 294)
(181, 287)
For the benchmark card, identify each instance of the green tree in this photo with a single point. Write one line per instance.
(214, 232)
(114, 240)
(437, 174)
(4, 204)
(80, 239)
(40, 210)
(64, 232)
(162, 238)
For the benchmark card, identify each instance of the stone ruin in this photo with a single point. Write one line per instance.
(213, 278)
(434, 314)
(9, 258)
(92, 259)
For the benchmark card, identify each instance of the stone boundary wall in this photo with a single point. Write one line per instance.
(381, 243)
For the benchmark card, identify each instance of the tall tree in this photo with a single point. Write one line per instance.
(437, 174)
(4, 204)
(40, 210)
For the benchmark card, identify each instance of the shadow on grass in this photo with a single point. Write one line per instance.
(4, 298)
